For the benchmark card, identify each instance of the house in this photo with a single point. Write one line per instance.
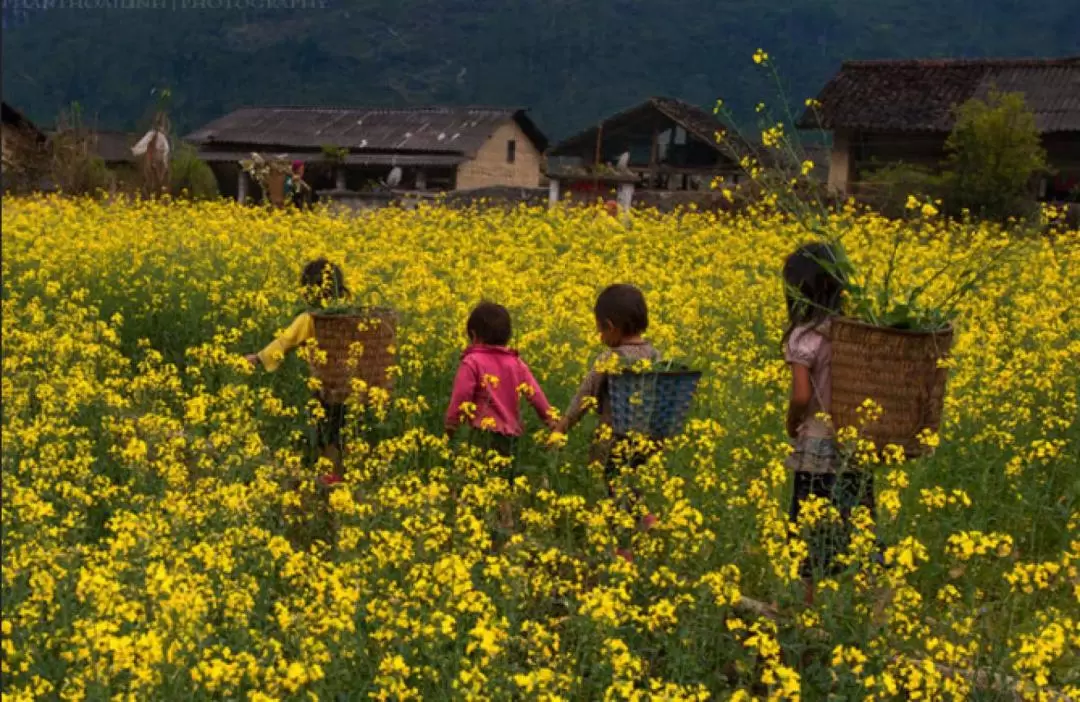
(886, 112)
(436, 148)
(114, 148)
(23, 142)
(667, 144)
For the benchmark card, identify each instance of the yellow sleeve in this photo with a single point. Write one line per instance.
(302, 329)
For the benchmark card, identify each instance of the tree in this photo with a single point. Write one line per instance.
(993, 155)
(75, 166)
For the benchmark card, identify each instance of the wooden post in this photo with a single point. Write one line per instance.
(654, 154)
(553, 192)
(599, 140)
(339, 178)
(242, 187)
(840, 164)
(421, 179)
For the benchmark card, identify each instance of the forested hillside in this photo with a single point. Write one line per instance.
(570, 61)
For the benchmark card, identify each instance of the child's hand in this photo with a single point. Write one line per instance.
(253, 359)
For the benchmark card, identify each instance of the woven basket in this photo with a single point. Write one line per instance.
(375, 329)
(654, 403)
(275, 184)
(895, 368)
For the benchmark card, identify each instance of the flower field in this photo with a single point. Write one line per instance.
(163, 536)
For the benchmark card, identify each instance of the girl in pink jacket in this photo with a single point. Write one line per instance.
(490, 383)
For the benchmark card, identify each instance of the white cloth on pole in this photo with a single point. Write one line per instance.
(162, 146)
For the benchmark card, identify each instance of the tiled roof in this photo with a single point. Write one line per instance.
(433, 160)
(17, 119)
(696, 121)
(460, 130)
(921, 95)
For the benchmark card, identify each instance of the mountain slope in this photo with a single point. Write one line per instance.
(570, 61)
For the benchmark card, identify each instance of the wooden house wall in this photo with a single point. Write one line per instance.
(873, 150)
(870, 151)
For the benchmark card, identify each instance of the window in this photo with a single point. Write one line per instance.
(511, 151)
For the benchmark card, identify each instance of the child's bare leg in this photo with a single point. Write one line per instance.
(506, 515)
(333, 454)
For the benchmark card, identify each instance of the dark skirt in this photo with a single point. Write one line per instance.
(621, 456)
(826, 540)
(503, 444)
(329, 428)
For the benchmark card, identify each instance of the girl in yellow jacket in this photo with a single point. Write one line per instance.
(322, 281)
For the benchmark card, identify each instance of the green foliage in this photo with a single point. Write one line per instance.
(334, 154)
(888, 188)
(994, 153)
(192, 175)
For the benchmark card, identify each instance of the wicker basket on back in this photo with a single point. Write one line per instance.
(655, 404)
(899, 371)
(358, 345)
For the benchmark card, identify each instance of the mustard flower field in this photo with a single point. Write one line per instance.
(164, 537)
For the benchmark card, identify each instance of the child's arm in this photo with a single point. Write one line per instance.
(302, 329)
(590, 388)
(537, 398)
(801, 393)
(465, 382)
(801, 352)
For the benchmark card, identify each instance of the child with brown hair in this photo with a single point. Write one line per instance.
(622, 317)
(813, 291)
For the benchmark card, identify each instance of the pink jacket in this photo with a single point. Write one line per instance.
(493, 378)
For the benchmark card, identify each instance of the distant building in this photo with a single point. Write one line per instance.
(114, 148)
(437, 148)
(22, 141)
(886, 112)
(667, 143)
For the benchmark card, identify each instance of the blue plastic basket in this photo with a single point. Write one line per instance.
(654, 403)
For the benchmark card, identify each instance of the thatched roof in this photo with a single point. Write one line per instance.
(434, 130)
(921, 95)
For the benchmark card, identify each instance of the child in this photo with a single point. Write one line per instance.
(490, 377)
(813, 288)
(621, 319)
(488, 385)
(322, 282)
(297, 191)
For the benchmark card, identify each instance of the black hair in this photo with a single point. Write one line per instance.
(624, 306)
(813, 284)
(490, 324)
(322, 281)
